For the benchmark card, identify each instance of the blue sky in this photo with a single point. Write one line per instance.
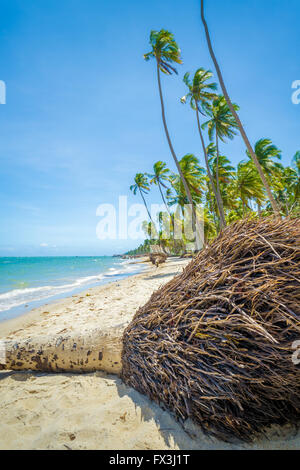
(83, 115)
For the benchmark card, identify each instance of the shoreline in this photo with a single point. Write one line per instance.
(30, 308)
(58, 312)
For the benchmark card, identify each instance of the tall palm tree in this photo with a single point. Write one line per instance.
(199, 95)
(141, 185)
(236, 117)
(160, 175)
(221, 125)
(165, 51)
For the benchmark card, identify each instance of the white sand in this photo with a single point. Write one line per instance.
(97, 411)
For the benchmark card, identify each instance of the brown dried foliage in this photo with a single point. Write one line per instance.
(215, 343)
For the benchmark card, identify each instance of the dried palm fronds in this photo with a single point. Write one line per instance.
(215, 343)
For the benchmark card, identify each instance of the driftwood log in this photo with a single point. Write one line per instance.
(83, 352)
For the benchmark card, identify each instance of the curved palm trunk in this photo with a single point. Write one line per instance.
(219, 203)
(187, 189)
(236, 117)
(218, 180)
(163, 198)
(145, 204)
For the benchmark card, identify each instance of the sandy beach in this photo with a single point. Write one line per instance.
(97, 410)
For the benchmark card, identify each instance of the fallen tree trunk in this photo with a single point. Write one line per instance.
(83, 352)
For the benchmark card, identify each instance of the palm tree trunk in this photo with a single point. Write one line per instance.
(163, 198)
(212, 208)
(187, 189)
(236, 117)
(145, 204)
(217, 178)
(258, 209)
(222, 218)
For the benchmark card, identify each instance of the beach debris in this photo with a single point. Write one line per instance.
(215, 343)
(157, 258)
(86, 351)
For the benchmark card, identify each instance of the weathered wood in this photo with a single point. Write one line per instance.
(81, 352)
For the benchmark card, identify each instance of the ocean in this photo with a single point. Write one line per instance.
(29, 282)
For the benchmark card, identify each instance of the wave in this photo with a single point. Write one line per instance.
(21, 296)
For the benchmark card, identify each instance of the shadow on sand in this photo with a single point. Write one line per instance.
(161, 276)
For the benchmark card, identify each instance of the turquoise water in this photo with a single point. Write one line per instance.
(28, 282)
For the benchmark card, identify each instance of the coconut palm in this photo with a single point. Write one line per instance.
(165, 51)
(247, 185)
(200, 94)
(221, 125)
(221, 167)
(266, 151)
(193, 174)
(236, 117)
(160, 175)
(142, 186)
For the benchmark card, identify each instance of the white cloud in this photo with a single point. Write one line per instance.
(44, 244)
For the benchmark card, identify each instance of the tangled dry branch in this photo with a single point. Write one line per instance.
(215, 343)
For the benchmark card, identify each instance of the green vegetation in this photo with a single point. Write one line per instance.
(258, 186)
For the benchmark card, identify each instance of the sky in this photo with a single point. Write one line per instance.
(82, 113)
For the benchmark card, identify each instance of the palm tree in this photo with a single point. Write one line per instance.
(200, 94)
(221, 125)
(159, 176)
(286, 184)
(221, 166)
(266, 152)
(141, 185)
(237, 119)
(247, 185)
(165, 51)
(193, 174)
(195, 178)
(287, 189)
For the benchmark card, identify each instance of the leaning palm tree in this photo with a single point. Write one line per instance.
(165, 51)
(236, 117)
(141, 185)
(221, 126)
(159, 176)
(199, 95)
